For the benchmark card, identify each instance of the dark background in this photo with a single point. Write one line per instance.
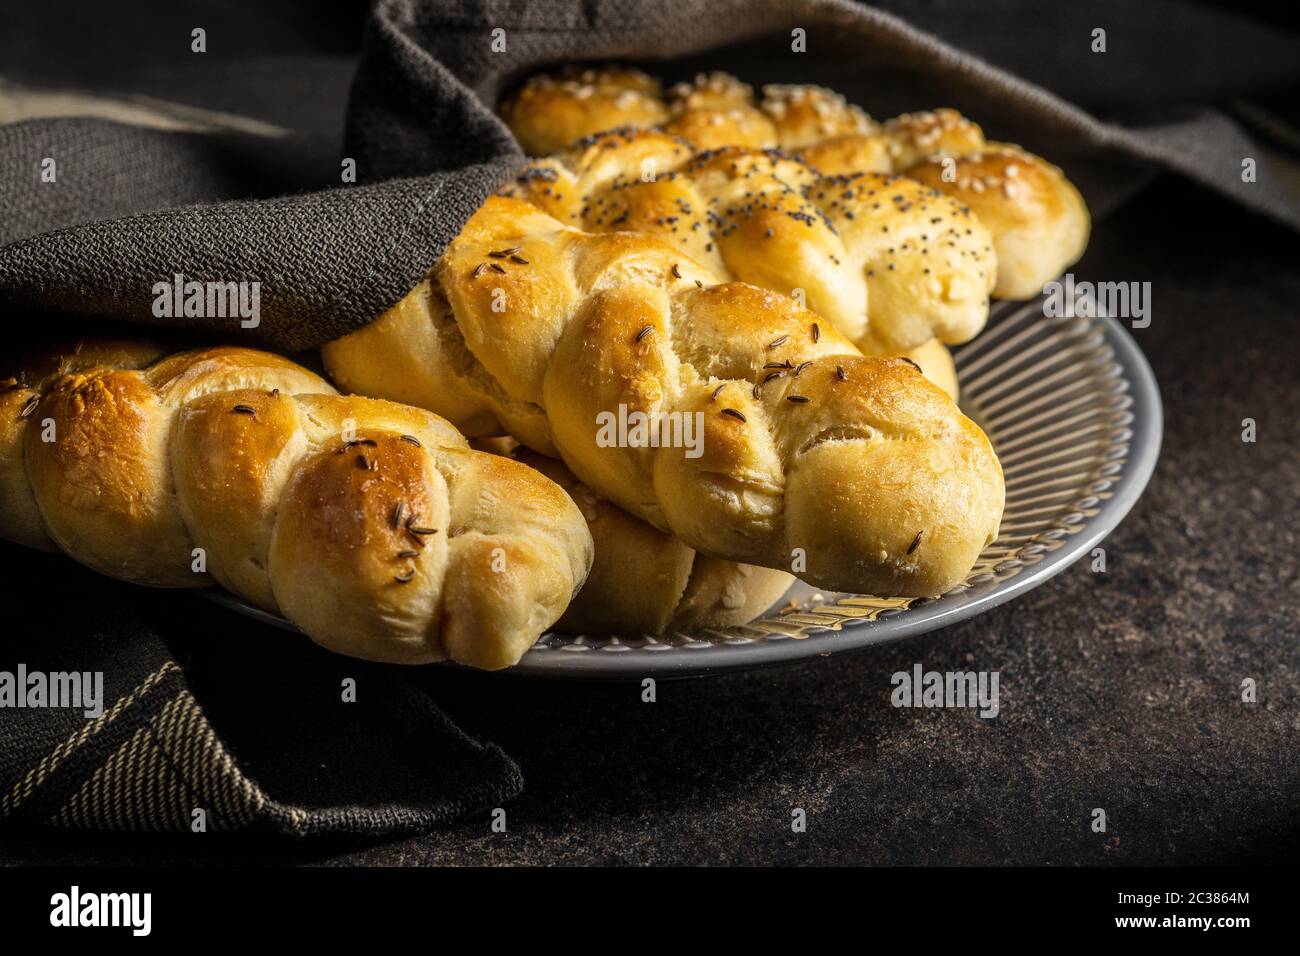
(1119, 690)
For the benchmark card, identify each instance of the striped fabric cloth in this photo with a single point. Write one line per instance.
(213, 722)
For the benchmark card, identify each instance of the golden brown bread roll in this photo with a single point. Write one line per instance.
(1039, 223)
(854, 472)
(30, 373)
(806, 115)
(1038, 220)
(370, 525)
(716, 110)
(644, 581)
(913, 260)
(552, 110)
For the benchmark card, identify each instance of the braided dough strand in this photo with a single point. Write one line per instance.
(372, 526)
(1036, 217)
(868, 244)
(854, 472)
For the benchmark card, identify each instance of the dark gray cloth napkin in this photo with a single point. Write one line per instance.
(212, 722)
(136, 206)
(207, 710)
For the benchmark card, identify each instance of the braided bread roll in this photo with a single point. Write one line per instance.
(371, 526)
(853, 472)
(642, 580)
(1038, 220)
(913, 259)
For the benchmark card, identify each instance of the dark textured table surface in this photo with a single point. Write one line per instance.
(1119, 691)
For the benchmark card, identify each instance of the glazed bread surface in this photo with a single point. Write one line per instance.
(893, 264)
(553, 110)
(1037, 218)
(854, 472)
(370, 525)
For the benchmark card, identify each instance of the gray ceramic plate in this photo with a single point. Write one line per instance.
(1072, 409)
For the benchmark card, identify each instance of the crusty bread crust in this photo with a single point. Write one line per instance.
(856, 473)
(372, 526)
(891, 263)
(1038, 221)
